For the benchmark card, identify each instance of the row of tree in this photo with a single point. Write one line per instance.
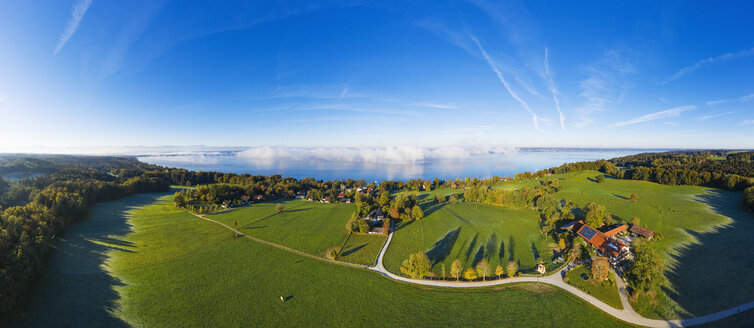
(418, 266)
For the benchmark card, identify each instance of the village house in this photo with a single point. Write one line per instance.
(641, 231)
(605, 243)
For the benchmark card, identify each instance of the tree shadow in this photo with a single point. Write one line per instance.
(402, 224)
(715, 272)
(478, 256)
(511, 248)
(621, 197)
(471, 246)
(273, 214)
(491, 245)
(458, 216)
(353, 250)
(534, 251)
(441, 249)
(431, 208)
(75, 289)
(501, 253)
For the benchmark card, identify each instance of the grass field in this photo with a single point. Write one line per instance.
(604, 291)
(172, 269)
(702, 230)
(470, 232)
(305, 226)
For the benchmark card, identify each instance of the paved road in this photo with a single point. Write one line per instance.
(626, 314)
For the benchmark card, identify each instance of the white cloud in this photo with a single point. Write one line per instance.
(554, 91)
(344, 92)
(603, 85)
(396, 155)
(707, 117)
(438, 106)
(77, 13)
(746, 122)
(711, 60)
(673, 112)
(722, 101)
(513, 94)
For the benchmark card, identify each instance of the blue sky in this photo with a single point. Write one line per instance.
(92, 73)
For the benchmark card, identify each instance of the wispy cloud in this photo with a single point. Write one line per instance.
(673, 112)
(722, 101)
(711, 60)
(707, 117)
(344, 92)
(513, 94)
(604, 85)
(77, 13)
(554, 91)
(438, 106)
(746, 122)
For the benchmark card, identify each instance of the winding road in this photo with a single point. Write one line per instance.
(627, 314)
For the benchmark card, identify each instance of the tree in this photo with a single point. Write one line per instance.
(352, 225)
(561, 244)
(600, 268)
(636, 221)
(469, 274)
(427, 185)
(456, 268)
(363, 226)
(483, 268)
(634, 197)
(332, 253)
(646, 272)
(499, 271)
(511, 269)
(600, 178)
(279, 207)
(417, 213)
(595, 215)
(439, 198)
(384, 198)
(416, 266)
(443, 271)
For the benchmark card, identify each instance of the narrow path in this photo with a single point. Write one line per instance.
(627, 314)
(262, 241)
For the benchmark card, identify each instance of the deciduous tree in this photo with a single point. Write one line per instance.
(416, 266)
(470, 274)
(600, 268)
(483, 268)
(456, 268)
(499, 271)
(511, 269)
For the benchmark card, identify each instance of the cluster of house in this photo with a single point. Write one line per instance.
(376, 221)
(612, 244)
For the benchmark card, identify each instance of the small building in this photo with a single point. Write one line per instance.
(616, 230)
(375, 216)
(641, 231)
(541, 268)
(573, 226)
(260, 197)
(245, 198)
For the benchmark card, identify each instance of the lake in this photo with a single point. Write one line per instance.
(328, 167)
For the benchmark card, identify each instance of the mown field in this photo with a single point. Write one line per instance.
(162, 267)
(604, 291)
(470, 232)
(305, 226)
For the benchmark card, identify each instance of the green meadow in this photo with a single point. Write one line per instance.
(700, 231)
(470, 233)
(309, 227)
(604, 291)
(157, 266)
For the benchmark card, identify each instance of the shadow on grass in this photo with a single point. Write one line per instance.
(441, 249)
(717, 272)
(353, 250)
(75, 290)
(431, 208)
(621, 197)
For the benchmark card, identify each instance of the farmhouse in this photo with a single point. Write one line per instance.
(616, 231)
(614, 249)
(641, 231)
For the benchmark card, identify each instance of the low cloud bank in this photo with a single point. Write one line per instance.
(397, 155)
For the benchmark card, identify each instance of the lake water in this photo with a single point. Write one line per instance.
(480, 166)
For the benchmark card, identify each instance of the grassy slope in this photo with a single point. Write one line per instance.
(605, 292)
(305, 226)
(180, 271)
(705, 234)
(481, 231)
